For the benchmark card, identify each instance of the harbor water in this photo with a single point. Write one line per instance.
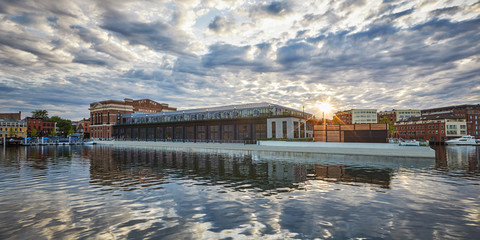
(109, 192)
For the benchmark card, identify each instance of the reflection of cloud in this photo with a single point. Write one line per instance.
(95, 192)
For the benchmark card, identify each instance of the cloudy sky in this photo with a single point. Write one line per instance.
(62, 55)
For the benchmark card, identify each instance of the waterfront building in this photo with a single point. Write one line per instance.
(9, 126)
(12, 123)
(14, 116)
(396, 115)
(435, 128)
(357, 116)
(471, 113)
(105, 114)
(83, 128)
(244, 122)
(43, 127)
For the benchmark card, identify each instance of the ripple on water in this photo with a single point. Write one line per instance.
(104, 192)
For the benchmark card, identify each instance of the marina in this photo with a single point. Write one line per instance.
(46, 141)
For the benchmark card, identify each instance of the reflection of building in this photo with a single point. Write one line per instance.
(131, 167)
(457, 158)
(246, 122)
(434, 128)
(355, 116)
(346, 174)
(105, 114)
(42, 127)
(134, 165)
(471, 113)
(398, 115)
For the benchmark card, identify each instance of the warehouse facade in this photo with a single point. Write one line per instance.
(234, 123)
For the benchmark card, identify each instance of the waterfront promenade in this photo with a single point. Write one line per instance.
(366, 149)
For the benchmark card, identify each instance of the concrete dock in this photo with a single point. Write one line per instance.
(365, 149)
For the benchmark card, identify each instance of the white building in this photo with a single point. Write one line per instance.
(360, 116)
(290, 127)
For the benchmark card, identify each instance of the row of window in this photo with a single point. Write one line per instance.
(8, 129)
(232, 114)
(421, 132)
(452, 132)
(45, 124)
(430, 127)
(12, 124)
(212, 132)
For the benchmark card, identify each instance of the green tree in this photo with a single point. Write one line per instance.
(11, 132)
(336, 121)
(34, 132)
(71, 131)
(64, 125)
(53, 133)
(43, 114)
(391, 127)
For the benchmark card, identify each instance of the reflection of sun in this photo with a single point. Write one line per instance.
(325, 107)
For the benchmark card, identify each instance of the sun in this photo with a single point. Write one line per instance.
(325, 107)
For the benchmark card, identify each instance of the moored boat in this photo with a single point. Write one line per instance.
(464, 140)
(409, 143)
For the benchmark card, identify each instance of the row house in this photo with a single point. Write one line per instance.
(434, 128)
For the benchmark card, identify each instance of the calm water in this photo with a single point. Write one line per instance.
(101, 192)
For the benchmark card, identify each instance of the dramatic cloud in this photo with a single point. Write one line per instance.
(220, 24)
(61, 55)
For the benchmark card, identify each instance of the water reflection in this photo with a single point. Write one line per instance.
(127, 167)
(465, 158)
(101, 192)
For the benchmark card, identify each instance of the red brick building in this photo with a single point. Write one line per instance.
(344, 116)
(471, 113)
(43, 128)
(14, 116)
(358, 116)
(83, 127)
(105, 114)
(435, 128)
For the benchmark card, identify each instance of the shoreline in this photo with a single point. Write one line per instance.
(364, 149)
